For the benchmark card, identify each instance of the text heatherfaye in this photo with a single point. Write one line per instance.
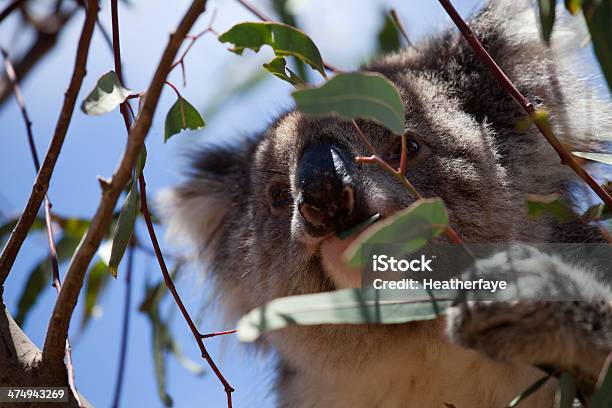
(431, 284)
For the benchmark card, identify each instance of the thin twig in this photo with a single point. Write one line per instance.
(221, 333)
(125, 331)
(399, 175)
(10, 8)
(400, 26)
(263, 17)
(41, 185)
(526, 105)
(64, 307)
(10, 72)
(144, 209)
(170, 285)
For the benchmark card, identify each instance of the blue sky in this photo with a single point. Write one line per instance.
(345, 32)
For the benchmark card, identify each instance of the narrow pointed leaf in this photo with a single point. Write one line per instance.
(356, 95)
(124, 228)
(182, 115)
(388, 36)
(106, 95)
(597, 14)
(347, 306)
(284, 39)
(97, 280)
(605, 158)
(567, 391)
(412, 227)
(278, 67)
(547, 18)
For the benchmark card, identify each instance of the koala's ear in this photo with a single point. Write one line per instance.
(218, 182)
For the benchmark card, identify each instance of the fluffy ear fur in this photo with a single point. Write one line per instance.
(196, 210)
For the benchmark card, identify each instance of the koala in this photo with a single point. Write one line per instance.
(262, 214)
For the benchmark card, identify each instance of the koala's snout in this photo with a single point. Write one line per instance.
(326, 190)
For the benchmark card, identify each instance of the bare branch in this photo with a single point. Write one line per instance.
(10, 8)
(483, 55)
(41, 185)
(10, 72)
(64, 307)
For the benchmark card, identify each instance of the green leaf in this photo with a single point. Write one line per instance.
(540, 116)
(124, 228)
(598, 212)
(358, 227)
(356, 95)
(605, 158)
(573, 6)
(547, 18)
(40, 276)
(286, 15)
(549, 203)
(182, 115)
(97, 280)
(412, 227)
(284, 40)
(388, 36)
(347, 306)
(278, 67)
(597, 14)
(141, 161)
(9, 225)
(528, 391)
(567, 391)
(106, 95)
(603, 396)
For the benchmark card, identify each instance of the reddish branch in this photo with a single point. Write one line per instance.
(58, 325)
(41, 185)
(10, 73)
(483, 55)
(263, 17)
(398, 173)
(145, 209)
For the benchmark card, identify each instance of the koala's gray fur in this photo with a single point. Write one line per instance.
(474, 159)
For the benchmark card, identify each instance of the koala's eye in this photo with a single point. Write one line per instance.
(279, 196)
(394, 154)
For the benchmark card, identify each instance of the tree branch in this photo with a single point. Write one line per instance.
(483, 55)
(10, 73)
(64, 307)
(41, 185)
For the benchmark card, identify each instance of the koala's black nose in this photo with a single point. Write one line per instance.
(327, 195)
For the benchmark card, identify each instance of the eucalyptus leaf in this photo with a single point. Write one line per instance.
(97, 280)
(567, 391)
(125, 227)
(388, 36)
(547, 17)
(278, 67)
(182, 115)
(573, 6)
(603, 396)
(597, 14)
(605, 158)
(284, 39)
(412, 227)
(106, 95)
(347, 306)
(357, 95)
(553, 204)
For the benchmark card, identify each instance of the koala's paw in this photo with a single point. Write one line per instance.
(573, 336)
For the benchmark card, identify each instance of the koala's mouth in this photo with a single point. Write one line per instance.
(332, 250)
